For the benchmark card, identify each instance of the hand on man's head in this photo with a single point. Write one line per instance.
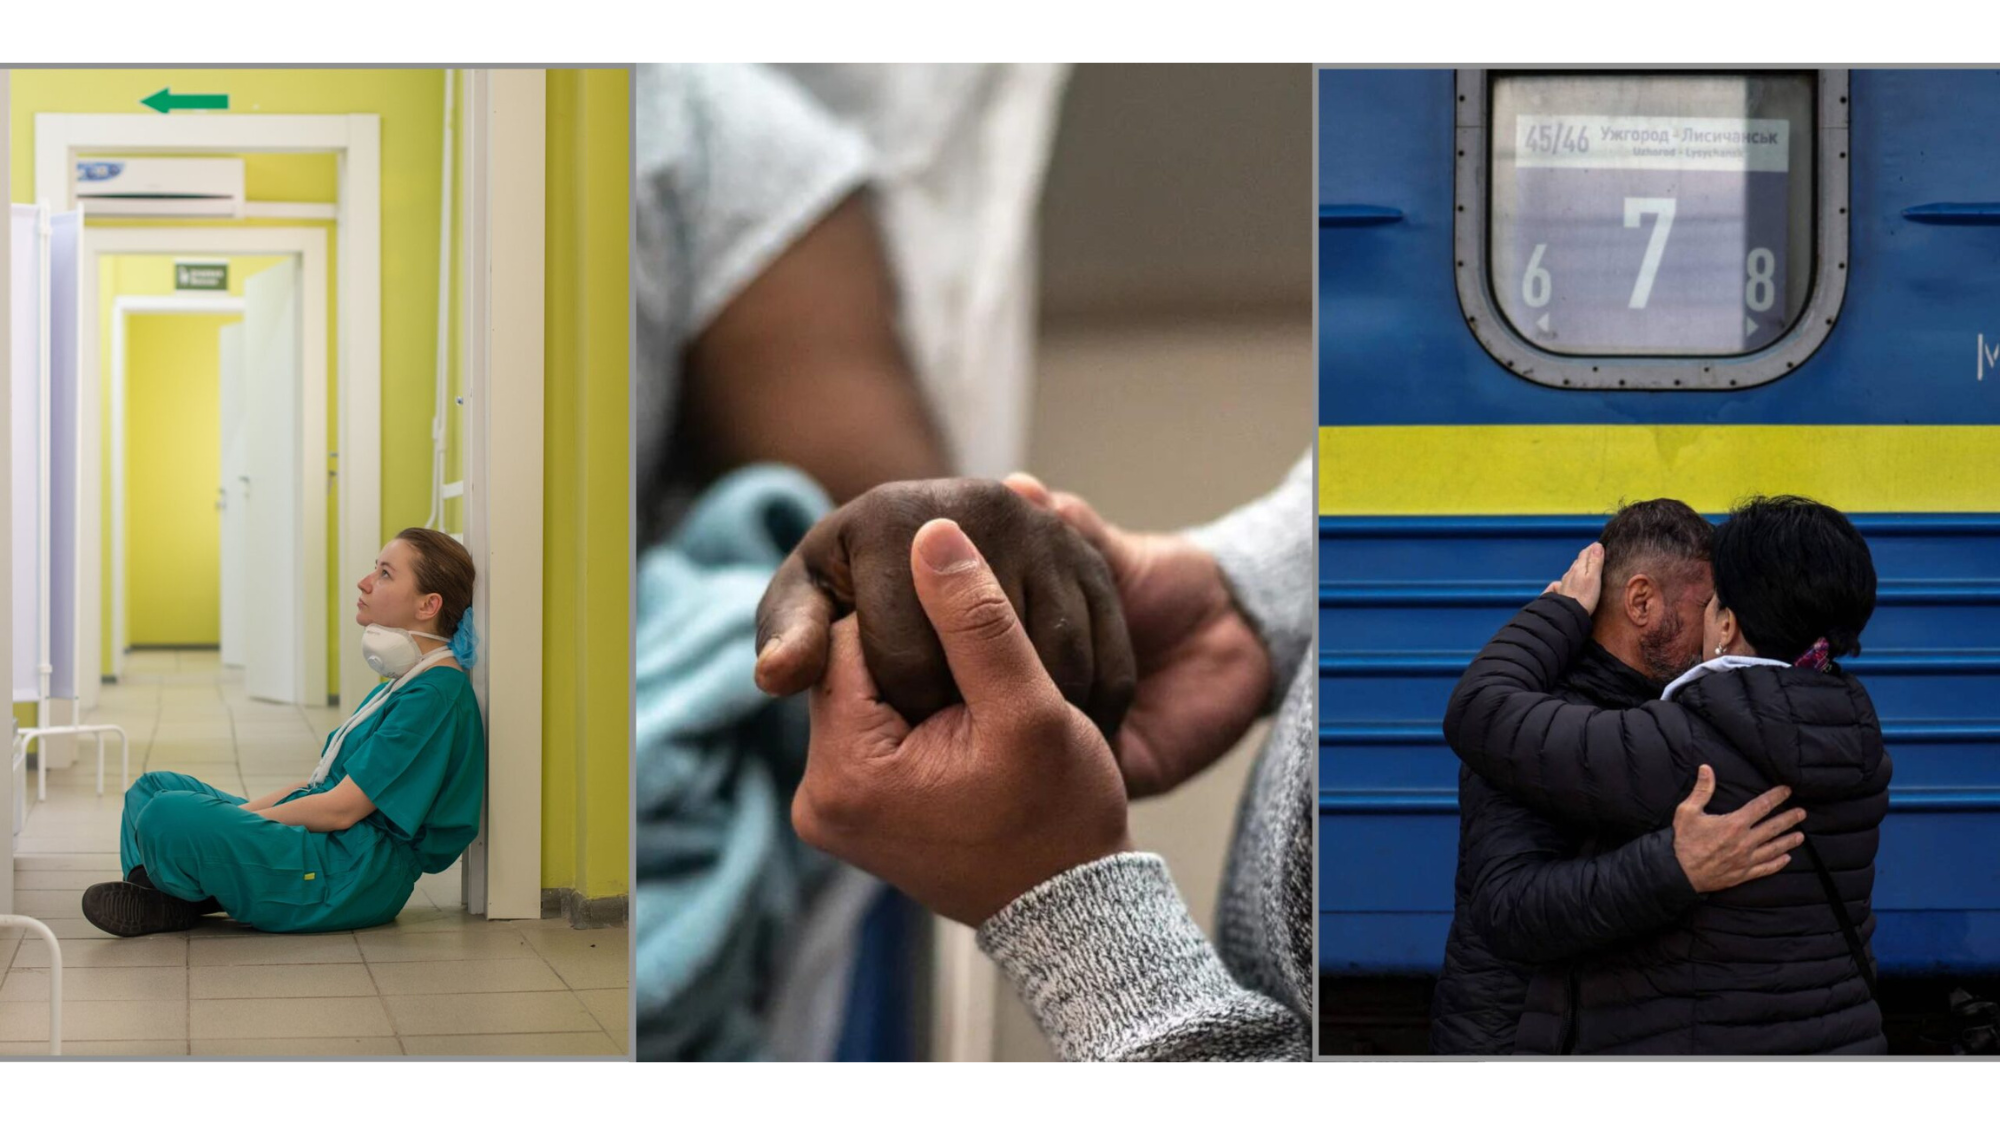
(981, 801)
(857, 560)
(1584, 580)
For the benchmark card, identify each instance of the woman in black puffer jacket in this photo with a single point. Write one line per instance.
(1762, 967)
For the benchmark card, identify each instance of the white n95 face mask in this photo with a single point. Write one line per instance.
(392, 652)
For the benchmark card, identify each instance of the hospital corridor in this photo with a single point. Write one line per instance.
(316, 499)
(416, 987)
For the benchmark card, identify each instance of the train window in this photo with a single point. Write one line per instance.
(1651, 215)
(1648, 222)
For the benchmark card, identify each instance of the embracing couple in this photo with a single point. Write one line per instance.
(1671, 799)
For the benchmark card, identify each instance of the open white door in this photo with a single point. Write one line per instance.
(229, 495)
(273, 602)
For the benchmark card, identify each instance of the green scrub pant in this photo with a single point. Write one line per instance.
(196, 841)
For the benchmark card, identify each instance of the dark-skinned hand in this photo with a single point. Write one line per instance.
(857, 561)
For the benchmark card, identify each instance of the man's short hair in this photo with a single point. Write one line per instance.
(1648, 536)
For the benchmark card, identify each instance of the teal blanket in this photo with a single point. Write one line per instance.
(721, 875)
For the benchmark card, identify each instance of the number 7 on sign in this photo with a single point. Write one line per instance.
(1656, 246)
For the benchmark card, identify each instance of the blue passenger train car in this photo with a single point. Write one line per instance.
(1545, 293)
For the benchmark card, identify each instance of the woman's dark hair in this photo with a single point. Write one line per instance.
(443, 567)
(1794, 570)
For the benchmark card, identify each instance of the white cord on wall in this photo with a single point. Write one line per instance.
(438, 421)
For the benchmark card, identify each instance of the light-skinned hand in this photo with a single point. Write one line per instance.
(983, 800)
(1204, 676)
(1584, 580)
(1719, 852)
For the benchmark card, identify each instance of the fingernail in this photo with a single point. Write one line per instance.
(944, 547)
(768, 646)
(1030, 481)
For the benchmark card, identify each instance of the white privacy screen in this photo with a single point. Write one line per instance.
(24, 445)
(44, 569)
(65, 313)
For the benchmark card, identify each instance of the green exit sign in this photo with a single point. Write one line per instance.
(211, 277)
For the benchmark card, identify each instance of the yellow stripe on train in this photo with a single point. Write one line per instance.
(1590, 470)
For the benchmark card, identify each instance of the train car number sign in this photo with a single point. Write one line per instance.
(1643, 234)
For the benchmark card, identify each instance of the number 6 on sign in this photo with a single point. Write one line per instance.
(1656, 246)
(1535, 282)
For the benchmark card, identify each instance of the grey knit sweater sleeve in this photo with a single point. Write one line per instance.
(1108, 960)
(1106, 955)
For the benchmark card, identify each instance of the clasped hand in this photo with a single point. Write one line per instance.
(985, 769)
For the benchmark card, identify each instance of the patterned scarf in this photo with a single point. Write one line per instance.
(1816, 657)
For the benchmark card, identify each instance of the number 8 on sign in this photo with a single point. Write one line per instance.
(1761, 287)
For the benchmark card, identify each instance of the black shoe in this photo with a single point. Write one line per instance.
(139, 876)
(129, 910)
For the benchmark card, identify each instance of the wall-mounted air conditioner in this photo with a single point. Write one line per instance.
(208, 187)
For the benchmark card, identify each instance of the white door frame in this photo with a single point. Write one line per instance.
(123, 308)
(8, 795)
(505, 154)
(356, 140)
(308, 245)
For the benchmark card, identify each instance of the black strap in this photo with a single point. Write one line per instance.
(1846, 924)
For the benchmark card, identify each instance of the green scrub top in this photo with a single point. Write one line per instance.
(422, 760)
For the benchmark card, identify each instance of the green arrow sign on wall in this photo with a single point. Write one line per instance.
(166, 101)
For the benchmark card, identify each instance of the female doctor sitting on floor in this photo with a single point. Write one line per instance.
(397, 791)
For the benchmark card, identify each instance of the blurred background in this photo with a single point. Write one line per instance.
(1174, 349)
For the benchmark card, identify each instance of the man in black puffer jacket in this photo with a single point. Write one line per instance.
(1762, 967)
(1550, 892)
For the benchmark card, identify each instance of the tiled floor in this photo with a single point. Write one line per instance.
(437, 981)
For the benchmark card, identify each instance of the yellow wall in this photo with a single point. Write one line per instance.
(173, 459)
(586, 629)
(410, 104)
(177, 462)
